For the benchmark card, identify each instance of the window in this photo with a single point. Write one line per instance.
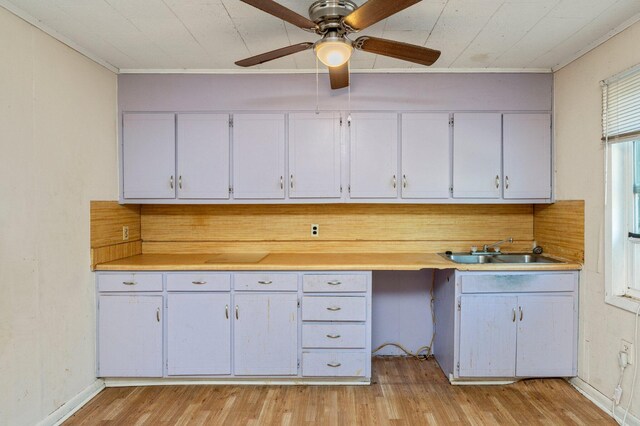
(621, 135)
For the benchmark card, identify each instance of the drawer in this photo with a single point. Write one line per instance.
(198, 282)
(334, 364)
(130, 282)
(334, 336)
(518, 282)
(265, 282)
(327, 283)
(334, 308)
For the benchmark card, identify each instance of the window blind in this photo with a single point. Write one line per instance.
(621, 107)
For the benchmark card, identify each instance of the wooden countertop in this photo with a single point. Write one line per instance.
(311, 262)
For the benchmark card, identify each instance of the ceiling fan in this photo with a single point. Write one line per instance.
(334, 20)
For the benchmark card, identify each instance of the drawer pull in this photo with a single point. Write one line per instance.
(336, 282)
(334, 364)
(265, 282)
(333, 336)
(226, 311)
(334, 308)
(158, 315)
(129, 282)
(237, 316)
(198, 282)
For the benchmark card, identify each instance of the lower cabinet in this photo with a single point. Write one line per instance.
(266, 334)
(198, 334)
(235, 325)
(506, 325)
(130, 335)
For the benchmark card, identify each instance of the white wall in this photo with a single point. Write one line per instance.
(579, 175)
(58, 151)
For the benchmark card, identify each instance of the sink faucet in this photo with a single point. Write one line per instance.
(486, 247)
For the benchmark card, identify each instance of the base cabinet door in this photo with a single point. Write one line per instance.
(198, 334)
(546, 336)
(130, 336)
(265, 334)
(487, 336)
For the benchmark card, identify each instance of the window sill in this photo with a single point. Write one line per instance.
(627, 303)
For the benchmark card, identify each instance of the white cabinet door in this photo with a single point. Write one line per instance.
(129, 336)
(374, 155)
(487, 336)
(426, 159)
(258, 156)
(546, 336)
(477, 149)
(203, 156)
(527, 155)
(198, 333)
(148, 155)
(266, 334)
(314, 155)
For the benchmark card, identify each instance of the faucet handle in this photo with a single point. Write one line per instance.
(474, 249)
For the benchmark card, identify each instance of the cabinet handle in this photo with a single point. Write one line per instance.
(336, 282)
(198, 282)
(129, 282)
(180, 181)
(404, 181)
(334, 308)
(281, 182)
(514, 315)
(226, 311)
(394, 181)
(333, 336)
(158, 314)
(334, 364)
(237, 317)
(506, 182)
(291, 181)
(171, 181)
(497, 181)
(521, 312)
(265, 282)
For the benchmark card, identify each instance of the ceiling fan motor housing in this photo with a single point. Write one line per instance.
(328, 14)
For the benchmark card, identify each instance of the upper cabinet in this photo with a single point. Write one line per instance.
(477, 145)
(315, 142)
(374, 155)
(527, 156)
(426, 158)
(203, 156)
(328, 157)
(148, 156)
(258, 156)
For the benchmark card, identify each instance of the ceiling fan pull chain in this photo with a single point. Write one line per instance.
(317, 89)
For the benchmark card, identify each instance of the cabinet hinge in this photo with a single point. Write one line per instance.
(349, 189)
(298, 303)
(298, 363)
(230, 189)
(341, 189)
(341, 121)
(451, 189)
(451, 121)
(230, 121)
(459, 304)
(349, 120)
(458, 367)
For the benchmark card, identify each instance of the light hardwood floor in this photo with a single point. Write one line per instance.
(406, 392)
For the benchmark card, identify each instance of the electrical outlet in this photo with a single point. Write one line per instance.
(628, 348)
(315, 230)
(125, 233)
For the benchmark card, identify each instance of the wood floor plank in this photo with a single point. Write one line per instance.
(405, 391)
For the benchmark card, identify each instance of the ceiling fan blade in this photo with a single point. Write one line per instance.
(274, 54)
(374, 11)
(339, 76)
(279, 11)
(397, 49)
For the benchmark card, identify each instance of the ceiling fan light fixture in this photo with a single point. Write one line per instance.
(333, 51)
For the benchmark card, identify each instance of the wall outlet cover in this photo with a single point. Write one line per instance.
(628, 348)
(125, 233)
(315, 230)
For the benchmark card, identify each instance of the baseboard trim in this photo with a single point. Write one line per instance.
(602, 401)
(125, 382)
(67, 409)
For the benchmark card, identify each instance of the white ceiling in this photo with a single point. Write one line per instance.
(212, 34)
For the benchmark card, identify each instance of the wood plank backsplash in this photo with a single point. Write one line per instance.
(344, 228)
(107, 220)
(559, 228)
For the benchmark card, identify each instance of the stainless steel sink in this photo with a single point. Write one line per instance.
(468, 258)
